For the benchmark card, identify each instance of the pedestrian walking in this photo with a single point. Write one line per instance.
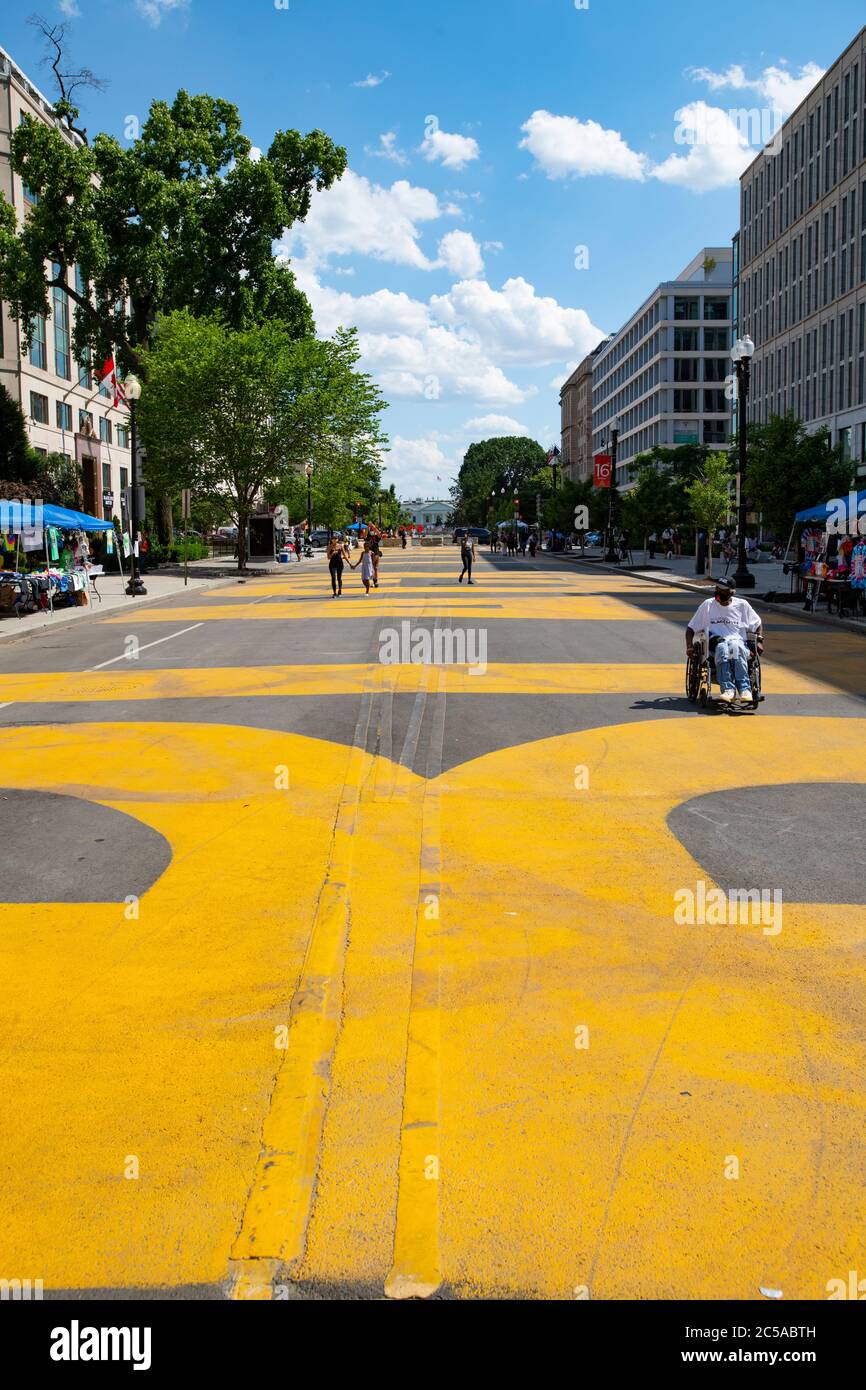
(652, 542)
(678, 541)
(337, 554)
(533, 545)
(467, 555)
(366, 563)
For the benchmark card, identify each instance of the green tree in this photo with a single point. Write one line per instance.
(654, 501)
(17, 459)
(709, 497)
(511, 462)
(235, 414)
(789, 469)
(181, 218)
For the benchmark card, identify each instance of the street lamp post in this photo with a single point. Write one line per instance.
(308, 469)
(611, 557)
(132, 390)
(741, 355)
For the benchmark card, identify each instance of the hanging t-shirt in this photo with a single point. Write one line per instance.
(858, 566)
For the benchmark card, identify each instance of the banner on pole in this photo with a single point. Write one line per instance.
(603, 470)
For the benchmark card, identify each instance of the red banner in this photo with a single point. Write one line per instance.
(603, 470)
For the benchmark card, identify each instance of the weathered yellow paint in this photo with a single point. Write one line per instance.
(270, 682)
(594, 608)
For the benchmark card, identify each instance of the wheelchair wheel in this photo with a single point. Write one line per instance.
(692, 677)
(755, 673)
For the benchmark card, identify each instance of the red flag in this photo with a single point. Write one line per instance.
(108, 373)
(603, 470)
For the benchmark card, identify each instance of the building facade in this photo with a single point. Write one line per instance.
(427, 512)
(575, 409)
(663, 378)
(802, 260)
(66, 410)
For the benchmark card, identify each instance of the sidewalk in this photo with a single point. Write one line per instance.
(680, 571)
(111, 589)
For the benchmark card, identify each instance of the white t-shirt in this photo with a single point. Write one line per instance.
(725, 620)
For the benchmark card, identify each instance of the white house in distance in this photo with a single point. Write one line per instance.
(66, 410)
(428, 512)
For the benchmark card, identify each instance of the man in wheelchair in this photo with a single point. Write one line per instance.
(728, 626)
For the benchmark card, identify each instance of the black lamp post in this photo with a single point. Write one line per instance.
(132, 390)
(741, 355)
(308, 469)
(611, 557)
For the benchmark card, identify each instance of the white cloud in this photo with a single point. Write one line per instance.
(515, 324)
(460, 253)
(719, 150)
(372, 80)
(155, 10)
(491, 426)
(564, 146)
(419, 468)
(412, 355)
(453, 151)
(69, 8)
(388, 149)
(356, 216)
(781, 89)
(556, 383)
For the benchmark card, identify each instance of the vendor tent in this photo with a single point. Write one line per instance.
(69, 520)
(823, 510)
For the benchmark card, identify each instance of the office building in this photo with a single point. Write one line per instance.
(66, 410)
(662, 378)
(802, 260)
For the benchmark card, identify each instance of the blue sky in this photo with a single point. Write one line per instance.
(487, 142)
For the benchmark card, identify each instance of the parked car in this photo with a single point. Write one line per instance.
(459, 533)
(480, 534)
(319, 538)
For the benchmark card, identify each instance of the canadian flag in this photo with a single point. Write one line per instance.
(108, 375)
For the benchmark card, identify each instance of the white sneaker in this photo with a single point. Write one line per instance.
(727, 697)
(745, 697)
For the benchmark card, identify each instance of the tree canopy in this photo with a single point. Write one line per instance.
(235, 413)
(184, 217)
(512, 463)
(790, 469)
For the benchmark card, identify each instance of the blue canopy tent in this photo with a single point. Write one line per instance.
(822, 511)
(68, 520)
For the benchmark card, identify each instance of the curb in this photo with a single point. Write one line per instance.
(7, 639)
(787, 610)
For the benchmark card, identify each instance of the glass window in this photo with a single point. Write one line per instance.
(105, 430)
(38, 347)
(716, 340)
(64, 415)
(685, 402)
(685, 369)
(715, 403)
(38, 408)
(685, 340)
(685, 308)
(84, 418)
(123, 436)
(60, 315)
(716, 368)
(716, 309)
(29, 194)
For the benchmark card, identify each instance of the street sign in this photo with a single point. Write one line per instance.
(108, 499)
(186, 504)
(603, 470)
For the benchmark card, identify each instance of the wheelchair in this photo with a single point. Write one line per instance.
(701, 673)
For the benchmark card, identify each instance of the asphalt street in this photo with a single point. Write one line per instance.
(325, 974)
